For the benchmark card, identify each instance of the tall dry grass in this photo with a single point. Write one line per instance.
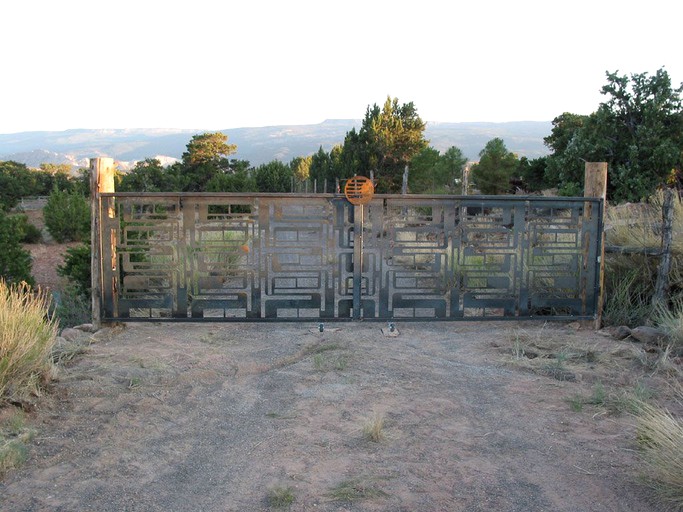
(670, 320)
(639, 225)
(630, 278)
(26, 340)
(660, 436)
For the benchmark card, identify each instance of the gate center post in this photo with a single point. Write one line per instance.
(358, 215)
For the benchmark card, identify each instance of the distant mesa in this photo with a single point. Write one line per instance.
(258, 145)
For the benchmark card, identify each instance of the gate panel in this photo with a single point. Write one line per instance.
(227, 256)
(285, 257)
(492, 257)
(298, 263)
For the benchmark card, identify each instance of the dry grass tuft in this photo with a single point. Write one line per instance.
(14, 435)
(355, 490)
(26, 340)
(660, 436)
(549, 352)
(671, 322)
(280, 497)
(373, 429)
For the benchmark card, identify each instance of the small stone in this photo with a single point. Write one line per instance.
(574, 325)
(85, 328)
(622, 332)
(71, 334)
(647, 334)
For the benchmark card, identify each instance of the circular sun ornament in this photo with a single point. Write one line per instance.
(359, 190)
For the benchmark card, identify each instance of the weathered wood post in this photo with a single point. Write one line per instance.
(595, 185)
(662, 285)
(101, 180)
(465, 185)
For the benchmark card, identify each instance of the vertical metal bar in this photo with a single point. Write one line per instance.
(186, 264)
(357, 259)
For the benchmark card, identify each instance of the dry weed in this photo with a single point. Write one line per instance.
(26, 340)
(660, 436)
(373, 429)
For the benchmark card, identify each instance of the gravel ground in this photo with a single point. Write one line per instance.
(215, 417)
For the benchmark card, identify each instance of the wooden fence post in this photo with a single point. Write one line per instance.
(465, 184)
(662, 285)
(595, 185)
(101, 180)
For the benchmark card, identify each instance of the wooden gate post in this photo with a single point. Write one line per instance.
(101, 180)
(595, 185)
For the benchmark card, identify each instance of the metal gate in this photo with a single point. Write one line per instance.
(316, 257)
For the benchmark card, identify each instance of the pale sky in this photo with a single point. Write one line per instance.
(217, 64)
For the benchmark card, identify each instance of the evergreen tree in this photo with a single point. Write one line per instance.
(638, 131)
(496, 167)
(387, 141)
(15, 262)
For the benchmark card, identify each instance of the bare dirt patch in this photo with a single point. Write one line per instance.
(47, 256)
(46, 259)
(222, 417)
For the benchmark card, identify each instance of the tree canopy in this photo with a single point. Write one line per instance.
(208, 147)
(638, 131)
(146, 176)
(387, 141)
(496, 167)
(301, 166)
(206, 157)
(274, 176)
(432, 172)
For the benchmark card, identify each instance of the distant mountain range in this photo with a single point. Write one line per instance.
(258, 145)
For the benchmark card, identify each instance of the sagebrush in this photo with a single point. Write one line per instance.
(27, 336)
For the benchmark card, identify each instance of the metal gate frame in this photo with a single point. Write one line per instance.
(285, 257)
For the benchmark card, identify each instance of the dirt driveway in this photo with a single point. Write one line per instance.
(218, 417)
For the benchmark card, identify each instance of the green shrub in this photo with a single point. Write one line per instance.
(26, 341)
(30, 234)
(77, 268)
(67, 216)
(16, 181)
(15, 262)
